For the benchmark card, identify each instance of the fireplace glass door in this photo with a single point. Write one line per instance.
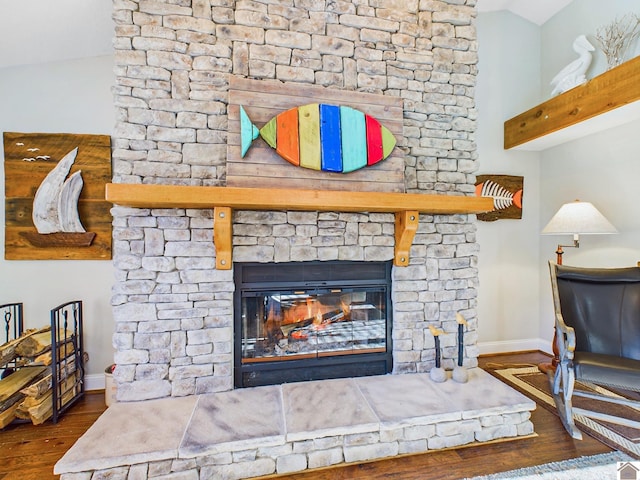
(312, 328)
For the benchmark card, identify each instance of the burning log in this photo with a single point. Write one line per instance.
(289, 327)
(274, 332)
(333, 316)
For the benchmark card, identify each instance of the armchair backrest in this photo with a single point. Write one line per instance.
(602, 305)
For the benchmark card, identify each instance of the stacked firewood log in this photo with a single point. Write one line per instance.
(26, 387)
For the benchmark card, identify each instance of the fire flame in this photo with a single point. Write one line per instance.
(309, 314)
(311, 309)
(346, 307)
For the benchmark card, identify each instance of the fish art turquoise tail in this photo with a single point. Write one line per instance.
(248, 131)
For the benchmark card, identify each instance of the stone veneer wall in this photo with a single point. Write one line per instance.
(173, 309)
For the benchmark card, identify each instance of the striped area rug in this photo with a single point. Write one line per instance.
(534, 384)
(596, 467)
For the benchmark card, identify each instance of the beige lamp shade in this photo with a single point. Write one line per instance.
(578, 218)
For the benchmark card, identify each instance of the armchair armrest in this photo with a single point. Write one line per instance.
(565, 338)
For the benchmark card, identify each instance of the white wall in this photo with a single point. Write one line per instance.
(517, 62)
(38, 31)
(60, 97)
(508, 83)
(603, 169)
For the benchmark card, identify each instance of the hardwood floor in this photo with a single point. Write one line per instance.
(29, 452)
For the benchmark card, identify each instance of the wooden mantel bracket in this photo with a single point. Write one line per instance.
(223, 200)
(406, 227)
(222, 237)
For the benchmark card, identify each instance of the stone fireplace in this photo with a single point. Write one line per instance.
(205, 243)
(173, 308)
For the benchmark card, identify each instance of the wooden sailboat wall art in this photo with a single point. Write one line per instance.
(54, 196)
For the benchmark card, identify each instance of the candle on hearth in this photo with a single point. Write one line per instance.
(437, 373)
(461, 324)
(436, 337)
(460, 373)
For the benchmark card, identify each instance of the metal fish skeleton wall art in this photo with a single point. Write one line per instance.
(506, 192)
(330, 138)
(502, 198)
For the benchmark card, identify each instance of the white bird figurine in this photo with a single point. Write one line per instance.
(574, 74)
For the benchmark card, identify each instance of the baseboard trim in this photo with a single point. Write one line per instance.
(94, 382)
(506, 346)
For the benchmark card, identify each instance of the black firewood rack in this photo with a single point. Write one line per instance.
(12, 328)
(67, 351)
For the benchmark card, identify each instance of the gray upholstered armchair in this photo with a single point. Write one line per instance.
(597, 314)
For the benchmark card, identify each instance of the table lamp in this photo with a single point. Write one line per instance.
(577, 218)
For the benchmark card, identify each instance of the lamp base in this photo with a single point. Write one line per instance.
(547, 368)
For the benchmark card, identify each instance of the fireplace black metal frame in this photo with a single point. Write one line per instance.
(257, 277)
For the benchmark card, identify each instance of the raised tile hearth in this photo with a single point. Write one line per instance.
(260, 431)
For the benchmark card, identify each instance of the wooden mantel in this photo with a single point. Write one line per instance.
(405, 206)
(608, 100)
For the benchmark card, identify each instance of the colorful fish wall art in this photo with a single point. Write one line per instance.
(319, 136)
(506, 191)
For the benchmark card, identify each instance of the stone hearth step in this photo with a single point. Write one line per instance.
(259, 431)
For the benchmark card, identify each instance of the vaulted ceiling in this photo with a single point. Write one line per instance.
(536, 11)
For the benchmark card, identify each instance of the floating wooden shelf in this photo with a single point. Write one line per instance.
(605, 101)
(406, 206)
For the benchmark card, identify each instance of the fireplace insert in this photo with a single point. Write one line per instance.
(311, 321)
